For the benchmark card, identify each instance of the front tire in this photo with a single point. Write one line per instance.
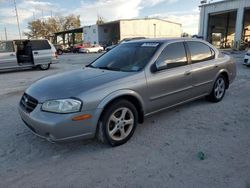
(44, 66)
(219, 90)
(117, 123)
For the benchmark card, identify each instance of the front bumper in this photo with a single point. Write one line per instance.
(60, 127)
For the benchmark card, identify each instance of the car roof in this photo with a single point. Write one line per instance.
(174, 39)
(164, 40)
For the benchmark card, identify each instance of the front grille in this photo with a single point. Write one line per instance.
(28, 103)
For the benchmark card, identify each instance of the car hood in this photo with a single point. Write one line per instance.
(72, 83)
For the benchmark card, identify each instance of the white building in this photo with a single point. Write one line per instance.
(112, 32)
(90, 34)
(225, 23)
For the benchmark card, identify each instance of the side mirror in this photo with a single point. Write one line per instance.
(160, 65)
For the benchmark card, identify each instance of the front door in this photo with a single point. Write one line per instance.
(8, 57)
(173, 84)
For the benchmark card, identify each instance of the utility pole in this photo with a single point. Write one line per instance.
(17, 18)
(42, 15)
(154, 30)
(5, 31)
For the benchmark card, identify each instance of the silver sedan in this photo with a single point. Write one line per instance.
(109, 97)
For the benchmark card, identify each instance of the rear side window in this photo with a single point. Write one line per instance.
(40, 45)
(174, 55)
(200, 52)
(6, 46)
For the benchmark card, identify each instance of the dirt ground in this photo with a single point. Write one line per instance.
(162, 152)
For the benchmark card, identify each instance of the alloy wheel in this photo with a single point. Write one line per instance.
(219, 89)
(120, 123)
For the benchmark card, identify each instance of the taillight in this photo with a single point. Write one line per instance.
(55, 55)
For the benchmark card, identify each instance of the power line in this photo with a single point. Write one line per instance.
(17, 18)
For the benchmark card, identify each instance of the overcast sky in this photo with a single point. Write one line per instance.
(185, 12)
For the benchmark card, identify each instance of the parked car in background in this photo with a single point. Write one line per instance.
(91, 49)
(108, 48)
(77, 47)
(247, 58)
(16, 54)
(124, 40)
(113, 94)
(59, 48)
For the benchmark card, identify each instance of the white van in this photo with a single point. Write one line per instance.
(16, 54)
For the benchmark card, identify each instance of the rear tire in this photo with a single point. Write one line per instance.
(59, 52)
(118, 123)
(44, 66)
(99, 51)
(219, 90)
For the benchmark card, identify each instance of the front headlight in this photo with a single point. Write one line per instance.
(62, 106)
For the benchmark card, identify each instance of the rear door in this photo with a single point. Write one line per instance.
(204, 67)
(8, 57)
(41, 50)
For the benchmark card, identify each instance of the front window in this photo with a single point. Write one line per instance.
(174, 55)
(130, 57)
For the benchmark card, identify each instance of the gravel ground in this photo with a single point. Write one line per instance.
(162, 152)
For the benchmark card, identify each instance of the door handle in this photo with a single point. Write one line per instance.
(35, 52)
(187, 73)
(215, 66)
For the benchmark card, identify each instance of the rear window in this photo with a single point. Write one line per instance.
(200, 51)
(40, 45)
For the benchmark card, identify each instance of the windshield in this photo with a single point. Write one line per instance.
(130, 57)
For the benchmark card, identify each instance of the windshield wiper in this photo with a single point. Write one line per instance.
(90, 66)
(109, 68)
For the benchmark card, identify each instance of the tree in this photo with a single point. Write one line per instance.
(69, 22)
(45, 28)
(100, 20)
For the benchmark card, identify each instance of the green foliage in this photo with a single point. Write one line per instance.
(45, 28)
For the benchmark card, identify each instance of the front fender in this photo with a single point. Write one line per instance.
(119, 93)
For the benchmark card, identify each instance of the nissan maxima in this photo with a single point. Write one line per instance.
(109, 97)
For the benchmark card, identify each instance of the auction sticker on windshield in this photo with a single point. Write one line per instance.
(150, 44)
